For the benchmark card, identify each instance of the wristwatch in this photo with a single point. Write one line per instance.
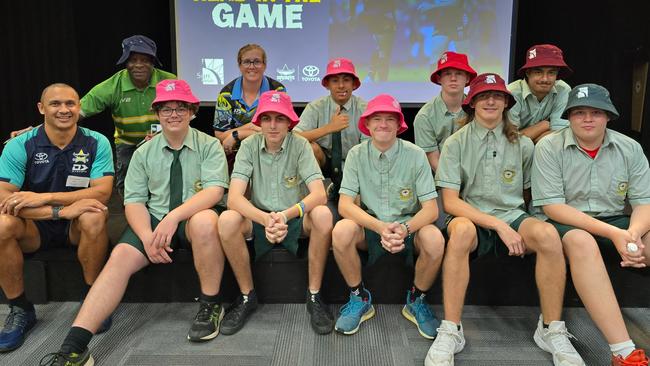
(55, 212)
(235, 135)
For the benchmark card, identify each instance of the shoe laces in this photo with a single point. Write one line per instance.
(446, 340)
(354, 306)
(15, 318)
(53, 358)
(560, 340)
(205, 312)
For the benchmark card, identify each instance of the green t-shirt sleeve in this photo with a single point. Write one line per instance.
(639, 184)
(308, 119)
(214, 169)
(243, 168)
(448, 174)
(350, 181)
(307, 164)
(425, 135)
(546, 177)
(136, 183)
(425, 187)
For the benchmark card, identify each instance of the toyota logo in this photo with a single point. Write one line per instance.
(41, 156)
(310, 70)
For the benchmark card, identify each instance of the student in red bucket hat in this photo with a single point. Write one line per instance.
(436, 120)
(278, 166)
(172, 190)
(541, 95)
(483, 174)
(329, 122)
(392, 178)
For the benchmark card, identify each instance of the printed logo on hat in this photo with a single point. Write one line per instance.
(170, 87)
(337, 63)
(583, 92)
(275, 98)
(490, 79)
(443, 58)
(532, 53)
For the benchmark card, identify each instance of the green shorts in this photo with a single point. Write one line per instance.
(489, 241)
(620, 221)
(290, 242)
(376, 250)
(179, 240)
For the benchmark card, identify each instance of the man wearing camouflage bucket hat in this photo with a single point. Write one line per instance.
(540, 94)
(484, 173)
(581, 178)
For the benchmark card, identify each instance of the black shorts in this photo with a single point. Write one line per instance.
(53, 233)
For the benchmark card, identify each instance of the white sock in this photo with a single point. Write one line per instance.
(623, 349)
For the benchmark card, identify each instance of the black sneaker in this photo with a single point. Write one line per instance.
(322, 320)
(68, 359)
(206, 322)
(238, 313)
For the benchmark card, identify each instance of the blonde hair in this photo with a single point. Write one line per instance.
(249, 47)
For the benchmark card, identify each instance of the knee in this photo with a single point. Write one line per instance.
(8, 228)
(203, 226)
(343, 234)
(125, 257)
(229, 223)
(432, 243)
(321, 219)
(92, 223)
(580, 245)
(462, 235)
(547, 239)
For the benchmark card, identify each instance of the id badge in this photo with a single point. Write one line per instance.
(77, 182)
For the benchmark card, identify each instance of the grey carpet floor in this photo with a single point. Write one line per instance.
(279, 334)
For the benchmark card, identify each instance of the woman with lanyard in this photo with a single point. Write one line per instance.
(237, 100)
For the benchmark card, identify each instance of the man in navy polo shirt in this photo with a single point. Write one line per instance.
(55, 181)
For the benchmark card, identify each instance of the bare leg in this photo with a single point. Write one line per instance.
(347, 236)
(318, 225)
(455, 267)
(88, 231)
(233, 229)
(430, 244)
(202, 232)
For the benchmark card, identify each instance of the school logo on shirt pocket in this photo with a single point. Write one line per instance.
(621, 188)
(508, 176)
(291, 182)
(405, 194)
(198, 186)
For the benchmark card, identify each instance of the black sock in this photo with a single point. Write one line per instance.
(76, 341)
(22, 302)
(545, 325)
(358, 290)
(416, 292)
(212, 299)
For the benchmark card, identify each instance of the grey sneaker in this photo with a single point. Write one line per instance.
(555, 340)
(450, 340)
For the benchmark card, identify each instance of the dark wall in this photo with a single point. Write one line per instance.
(78, 43)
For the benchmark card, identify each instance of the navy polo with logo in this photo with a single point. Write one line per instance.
(32, 163)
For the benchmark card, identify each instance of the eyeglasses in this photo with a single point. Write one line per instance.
(180, 111)
(255, 63)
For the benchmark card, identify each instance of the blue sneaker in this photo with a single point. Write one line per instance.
(419, 313)
(17, 324)
(355, 312)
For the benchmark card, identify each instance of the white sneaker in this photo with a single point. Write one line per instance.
(449, 341)
(555, 340)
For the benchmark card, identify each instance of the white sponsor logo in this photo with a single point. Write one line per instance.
(532, 53)
(275, 98)
(443, 59)
(41, 158)
(310, 73)
(79, 168)
(171, 86)
(285, 73)
(212, 71)
(337, 64)
(125, 100)
(490, 79)
(583, 92)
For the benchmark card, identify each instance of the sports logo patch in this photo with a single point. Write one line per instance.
(337, 64)
(275, 98)
(532, 53)
(490, 79)
(170, 87)
(583, 92)
(443, 59)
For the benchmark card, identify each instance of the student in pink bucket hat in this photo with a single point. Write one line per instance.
(278, 166)
(325, 122)
(484, 174)
(172, 190)
(392, 179)
(436, 120)
(541, 95)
